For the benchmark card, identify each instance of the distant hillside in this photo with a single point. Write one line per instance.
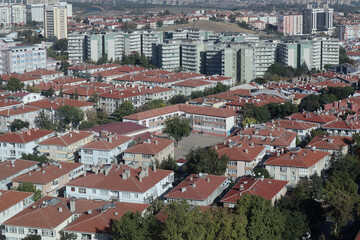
(217, 27)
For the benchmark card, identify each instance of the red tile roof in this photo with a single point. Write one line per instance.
(120, 94)
(193, 83)
(18, 110)
(312, 117)
(58, 102)
(303, 158)
(115, 182)
(99, 221)
(25, 136)
(42, 72)
(197, 187)
(107, 144)
(206, 111)
(293, 124)
(343, 125)
(66, 139)
(120, 128)
(7, 169)
(243, 152)
(47, 173)
(48, 217)
(10, 198)
(333, 142)
(266, 188)
(151, 146)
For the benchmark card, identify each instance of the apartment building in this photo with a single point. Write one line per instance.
(51, 178)
(132, 42)
(166, 56)
(93, 47)
(121, 183)
(188, 86)
(290, 24)
(206, 120)
(76, 47)
(55, 21)
(64, 147)
(22, 58)
(198, 189)
(329, 51)
(112, 99)
(303, 129)
(333, 144)
(113, 46)
(52, 215)
(243, 157)
(10, 169)
(37, 12)
(12, 14)
(147, 39)
(106, 150)
(318, 18)
(14, 144)
(149, 151)
(348, 31)
(13, 202)
(296, 164)
(269, 189)
(193, 56)
(24, 113)
(154, 93)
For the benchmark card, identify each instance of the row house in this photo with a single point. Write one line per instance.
(189, 86)
(206, 120)
(296, 164)
(26, 97)
(332, 144)
(65, 146)
(10, 169)
(24, 113)
(45, 74)
(270, 189)
(90, 69)
(303, 129)
(272, 138)
(128, 129)
(342, 128)
(51, 178)
(51, 105)
(243, 158)
(104, 151)
(27, 80)
(14, 144)
(198, 189)
(121, 183)
(13, 202)
(112, 99)
(158, 93)
(149, 150)
(8, 104)
(318, 118)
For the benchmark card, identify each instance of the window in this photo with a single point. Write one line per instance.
(103, 192)
(72, 189)
(303, 170)
(56, 182)
(136, 195)
(82, 190)
(21, 230)
(146, 156)
(232, 163)
(283, 177)
(126, 195)
(232, 171)
(283, 169)
(293, 178)
(271, 168)
(94, 191)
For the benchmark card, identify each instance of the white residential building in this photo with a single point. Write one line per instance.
(13, 202)
(166, 56)
(121, 183)
(12, 168)
(37, 12)
(23, 113)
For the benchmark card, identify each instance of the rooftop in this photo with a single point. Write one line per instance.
(66, 139)
(11, 167)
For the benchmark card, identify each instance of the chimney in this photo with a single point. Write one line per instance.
(29, 173)
(194, 185)
(183, 189)
(208, 179)
(241, 186)
(89, 212)
(110, 139)
(246, 151)
(60, 166)
(154, 166)
(72, 205)
(116, 213)
(43, 171)
(60, 209)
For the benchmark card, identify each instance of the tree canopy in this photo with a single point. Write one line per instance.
(14, 85)
(206, 160)
(177, 128)
(70, 115)
(126, 108)
(29, 187)
(177, 99)
(18, 124)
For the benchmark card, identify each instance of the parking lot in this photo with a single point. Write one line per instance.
(195, 140)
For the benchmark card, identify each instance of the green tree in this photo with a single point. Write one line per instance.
(316, 187)
(87, 124)
(32, 237)
(157, 103)
(177, 99)
(125, 109)
(48, 93)
(61, 45)
(206, 160)
(169, 164)
(18, 124)
(64, 67)
(100, 78)
(260, 171)
(76, 96)
(70, 115)
(177, 128)
(248, 121)
(190, 220)
(37, 158)
(155, 206)
(129, 227)
(264, 221)
(61, 94)
(309, 103)
(160, 23)
(14, 85)
(43, 122)
(196, 94)
(29, 187)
